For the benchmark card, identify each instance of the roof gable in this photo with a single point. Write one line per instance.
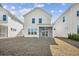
(36, 9)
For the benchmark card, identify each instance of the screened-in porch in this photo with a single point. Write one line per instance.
(3, 31)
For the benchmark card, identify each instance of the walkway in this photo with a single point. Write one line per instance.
(65, 47)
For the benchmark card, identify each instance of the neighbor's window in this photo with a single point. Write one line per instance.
(40, 20)
(4, 18)
(64, 19)
(33, 20)
(77, 13)
(54, 28)
(12, 29)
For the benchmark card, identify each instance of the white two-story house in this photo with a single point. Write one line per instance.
(68, 22)
(10, 26)
(37, 23)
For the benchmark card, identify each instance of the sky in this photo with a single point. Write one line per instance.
(19, 9)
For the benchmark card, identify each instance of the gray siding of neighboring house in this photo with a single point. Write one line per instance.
(13, 26)
(70, 24)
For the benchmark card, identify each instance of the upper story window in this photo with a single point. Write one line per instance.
(33, 20)
(4, 17)
(40, 20)
(64, 19)
(77, 13)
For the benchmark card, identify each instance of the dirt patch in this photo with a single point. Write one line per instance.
(21, 46)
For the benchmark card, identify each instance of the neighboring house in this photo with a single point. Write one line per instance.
(10, 26)
(20, 33)
(68, 22)
(37, 23)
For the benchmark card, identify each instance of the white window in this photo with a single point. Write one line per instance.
(33, 20)
(40, 20)
(32, 31)
(77, 13)
(63, 19)
(3, 18)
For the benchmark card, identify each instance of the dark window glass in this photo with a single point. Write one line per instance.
(35, 33)
(32, 33)
(54, 29)
(63, 19)
(4, 18)
(29, 33)
(33, 20)
(47, 33)
(40, 20)
(12, 29)
(77, 13)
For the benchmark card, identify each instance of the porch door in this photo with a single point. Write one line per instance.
(3, 31)
(44, 34)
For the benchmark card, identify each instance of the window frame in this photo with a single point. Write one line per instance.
(77, 13)
(40, 20)
(63, 19)
(32, 31)
(4, 18)
(33, 20)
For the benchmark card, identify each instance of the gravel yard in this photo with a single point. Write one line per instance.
(21, 46)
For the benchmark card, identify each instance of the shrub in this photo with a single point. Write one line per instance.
(73, 36)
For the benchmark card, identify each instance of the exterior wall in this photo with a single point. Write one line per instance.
(20, 33)
(37, 13)
(70, 24)
(14, 25)
(10, 23)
